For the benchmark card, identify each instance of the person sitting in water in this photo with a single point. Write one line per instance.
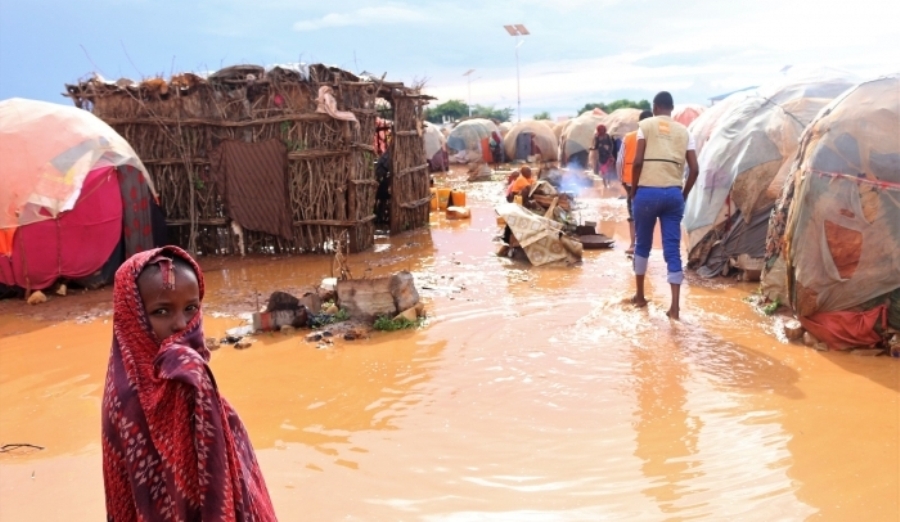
(523, 181)
(173, 448)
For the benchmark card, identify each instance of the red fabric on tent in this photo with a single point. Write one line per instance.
(77, 244)
(843, 330)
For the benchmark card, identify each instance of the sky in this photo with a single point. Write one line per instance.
(578, 51)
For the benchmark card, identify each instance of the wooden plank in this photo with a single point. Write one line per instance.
(410, 170)
(416, 204)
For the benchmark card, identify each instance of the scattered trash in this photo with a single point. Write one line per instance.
(288, 330)
(212, 344)
(244, 343)
(793, 330)
(314, 337)
(61, 291)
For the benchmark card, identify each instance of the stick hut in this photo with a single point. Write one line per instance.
(176, 127)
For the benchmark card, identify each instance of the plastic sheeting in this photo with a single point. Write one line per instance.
(468, 134)
(75, 245)
(435, 146)
(621, 121)
(577, 138)
(748, 145)
(686, 114)
(835, 232)
(46, 152)
(543, 137)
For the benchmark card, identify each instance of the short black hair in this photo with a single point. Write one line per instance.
(644, 115)
(663, 100)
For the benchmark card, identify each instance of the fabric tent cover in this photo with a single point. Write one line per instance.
(75, 245)
(685, 114)
(435, 146)
(746, 150)
(538, 236)
(840, 207)
(468, 134)
(579, 135)
(543, 137)
(621, 121)
(46, 152)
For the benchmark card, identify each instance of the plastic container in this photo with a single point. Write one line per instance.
(434, 200)
(443, 197)
(458, 213)
(457, 198)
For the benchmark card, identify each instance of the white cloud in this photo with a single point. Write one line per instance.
(381, 15)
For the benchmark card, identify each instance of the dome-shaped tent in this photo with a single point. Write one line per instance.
(685, 114)
(834, 240)
(703, 127)
(435, 147)
(577, 138)
(504, 128)
(469, 136)
(621, 121)
(65, 177)
(530, 137)
(726, 213)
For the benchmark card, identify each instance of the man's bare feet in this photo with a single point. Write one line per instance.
(673, 313)
(630, 251)
(638, 302)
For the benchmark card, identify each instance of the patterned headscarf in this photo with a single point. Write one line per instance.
(173, 448)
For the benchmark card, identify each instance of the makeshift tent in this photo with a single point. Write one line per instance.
(621, 121)
(834, 238)
(435, 148)
(686, 114)
(542, 239)
(504, 128)
(703, 127)
(466, 138)
(725, 215)
(560, 127)
(577, 138)
(72, 187)
(527, 138)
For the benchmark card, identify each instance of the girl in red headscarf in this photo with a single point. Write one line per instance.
(173, 448)
(604, 148)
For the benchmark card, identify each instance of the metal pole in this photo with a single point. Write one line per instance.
(470, 95)
(518, 82)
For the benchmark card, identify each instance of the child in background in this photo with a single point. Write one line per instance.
(173, 448)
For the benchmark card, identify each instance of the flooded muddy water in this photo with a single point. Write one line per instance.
(532, 394)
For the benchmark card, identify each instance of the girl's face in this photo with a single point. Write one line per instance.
(169, 310)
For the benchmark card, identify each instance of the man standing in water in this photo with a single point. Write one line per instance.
(659, 192)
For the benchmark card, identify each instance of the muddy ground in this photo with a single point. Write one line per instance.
(531, 394)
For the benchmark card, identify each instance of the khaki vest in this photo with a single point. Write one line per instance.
(666, 143)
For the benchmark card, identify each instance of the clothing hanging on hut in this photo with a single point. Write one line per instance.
(252, 178)
(137, 222)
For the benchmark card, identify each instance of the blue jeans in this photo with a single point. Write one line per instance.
(666, 205)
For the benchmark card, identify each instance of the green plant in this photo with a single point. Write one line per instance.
(772, 307)
(341, 316)
(386, 324)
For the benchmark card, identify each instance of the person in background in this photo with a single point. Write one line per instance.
(604, 150)
(624, 167)
(523, 182)
(659, 192)
(173, 448)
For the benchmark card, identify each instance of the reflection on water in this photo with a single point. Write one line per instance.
(533, 394)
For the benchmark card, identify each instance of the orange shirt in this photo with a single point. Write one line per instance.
(519, 184)
(629, 142)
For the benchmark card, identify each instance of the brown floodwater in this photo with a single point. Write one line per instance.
(533, 394)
